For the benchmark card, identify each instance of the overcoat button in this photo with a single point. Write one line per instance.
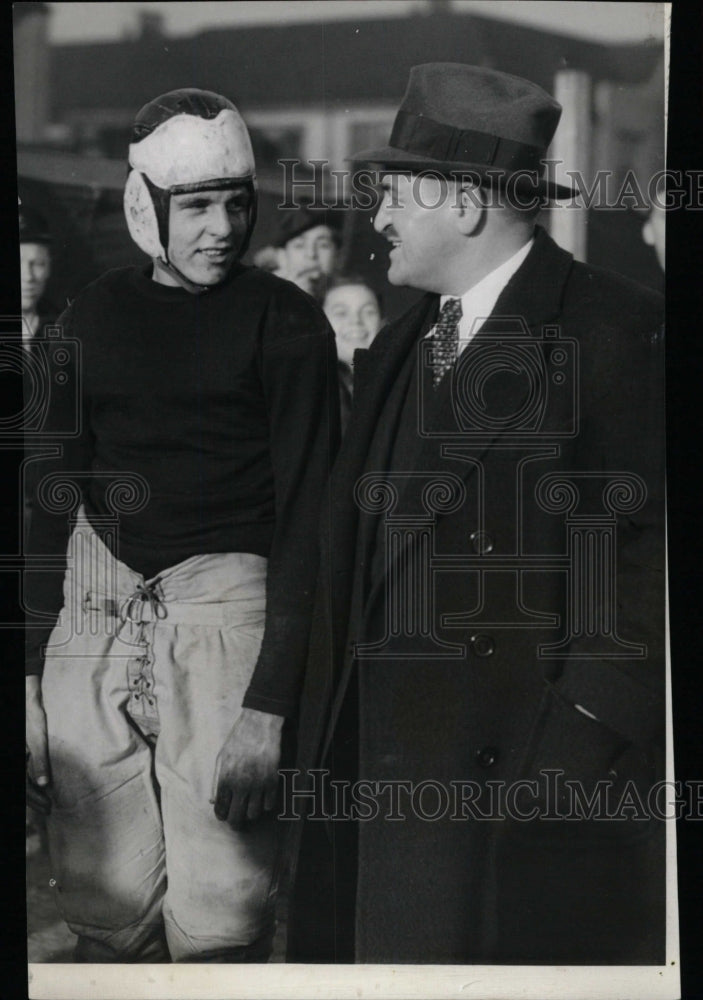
(482, 542)
(482, 645)
(487, 756)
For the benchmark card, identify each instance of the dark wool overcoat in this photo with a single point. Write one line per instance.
(486, 675)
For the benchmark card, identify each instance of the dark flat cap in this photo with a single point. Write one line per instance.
(294, 221)
(33, 226)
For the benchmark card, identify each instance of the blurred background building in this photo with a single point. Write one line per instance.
(318, 86)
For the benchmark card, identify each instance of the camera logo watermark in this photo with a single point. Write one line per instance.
(49, 365)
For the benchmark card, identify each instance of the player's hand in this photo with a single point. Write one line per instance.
(37, 753)
(246, 770)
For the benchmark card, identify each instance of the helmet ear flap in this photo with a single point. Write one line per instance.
(140, 213)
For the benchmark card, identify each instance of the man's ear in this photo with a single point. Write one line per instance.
(468, 209)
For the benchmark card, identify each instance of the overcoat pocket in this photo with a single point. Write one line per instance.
(578, 774)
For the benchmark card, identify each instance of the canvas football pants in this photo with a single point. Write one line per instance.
(142, 683)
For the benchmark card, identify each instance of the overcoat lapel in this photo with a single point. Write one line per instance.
(375, 373)
(533, 295)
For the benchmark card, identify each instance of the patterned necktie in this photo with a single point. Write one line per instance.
(446, 339)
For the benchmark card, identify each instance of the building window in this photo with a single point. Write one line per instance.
(272, 143)
(368, 134)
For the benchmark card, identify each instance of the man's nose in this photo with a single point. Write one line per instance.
(382, 219)
(219, 221)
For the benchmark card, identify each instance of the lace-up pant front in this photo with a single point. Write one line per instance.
(142, 683)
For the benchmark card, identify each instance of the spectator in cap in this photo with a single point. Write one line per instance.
(35, 271)
(37, 311)
(310, 241)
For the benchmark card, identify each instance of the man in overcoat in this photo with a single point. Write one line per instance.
(483, 719)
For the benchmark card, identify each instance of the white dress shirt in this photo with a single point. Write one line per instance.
(478, 303)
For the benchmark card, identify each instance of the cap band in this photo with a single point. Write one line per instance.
(424, 136)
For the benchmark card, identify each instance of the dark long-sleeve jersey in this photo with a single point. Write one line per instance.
(220, 412)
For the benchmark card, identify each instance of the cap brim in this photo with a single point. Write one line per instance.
(400, 159)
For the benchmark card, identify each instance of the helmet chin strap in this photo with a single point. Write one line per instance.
(190, 286)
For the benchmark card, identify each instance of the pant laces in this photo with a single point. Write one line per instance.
(145, 593)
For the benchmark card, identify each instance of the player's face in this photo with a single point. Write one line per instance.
(35, 268)
(354, 316)
(206, 231)
(310, 256)
(415, 217)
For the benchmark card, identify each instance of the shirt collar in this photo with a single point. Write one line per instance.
(478, 302)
